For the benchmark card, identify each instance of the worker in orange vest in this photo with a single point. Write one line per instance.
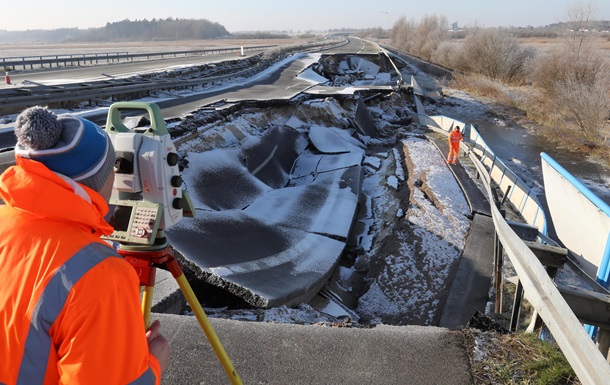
(455, 137)
(70, 309)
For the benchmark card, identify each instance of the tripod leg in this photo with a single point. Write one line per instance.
(207, 329)
(144, 262)
(147, 298)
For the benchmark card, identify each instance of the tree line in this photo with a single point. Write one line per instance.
(125, 30)
(566, 87)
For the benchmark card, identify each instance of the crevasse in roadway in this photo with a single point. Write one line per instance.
(273, 216)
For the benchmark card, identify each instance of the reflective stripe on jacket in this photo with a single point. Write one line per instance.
(69, 305)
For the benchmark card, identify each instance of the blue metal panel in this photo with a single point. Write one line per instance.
(603, 274)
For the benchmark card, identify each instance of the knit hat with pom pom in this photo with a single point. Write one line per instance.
(69, 145)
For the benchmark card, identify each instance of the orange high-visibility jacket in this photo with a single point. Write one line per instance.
(455, 137)
(70, 308)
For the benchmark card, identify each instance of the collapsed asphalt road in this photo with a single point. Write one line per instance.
(389, 355)
(275, 204)
(220, 174)
(310, 156)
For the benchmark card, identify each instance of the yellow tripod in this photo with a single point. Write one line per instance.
(145, 259)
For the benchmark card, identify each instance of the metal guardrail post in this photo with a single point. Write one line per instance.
(506, 194)
(582, 354)
(603, 343)
(516, 313)
(498, 268)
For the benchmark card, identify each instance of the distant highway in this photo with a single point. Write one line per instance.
(355, 47)
(283, 81)
(65, 75)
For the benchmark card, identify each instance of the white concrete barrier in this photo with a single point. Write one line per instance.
(581, 219)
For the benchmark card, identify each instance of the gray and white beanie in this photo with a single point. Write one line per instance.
(66, 144)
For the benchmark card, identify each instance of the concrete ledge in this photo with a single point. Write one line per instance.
(167, 296)
(268, 353)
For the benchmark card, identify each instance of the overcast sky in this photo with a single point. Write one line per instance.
(284, 15)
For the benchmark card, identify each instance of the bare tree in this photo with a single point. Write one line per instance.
(580, 94)
(420, 39)
(585, 106)
(447, 54)
(402, 33)
(575, 79)
(579, 26)
(429, 34)
(495, 53)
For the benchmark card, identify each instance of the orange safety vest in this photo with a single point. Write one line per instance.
(70, 308)
(455, 137)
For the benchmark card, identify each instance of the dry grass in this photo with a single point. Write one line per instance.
(501, 358)
(483, 86)
(525, 101)
(510, 359)
(542, 45)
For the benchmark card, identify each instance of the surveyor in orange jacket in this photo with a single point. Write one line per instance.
(70, 308)
(455, 137)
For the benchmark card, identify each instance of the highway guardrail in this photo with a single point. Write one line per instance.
(43, 61)
(588, 362)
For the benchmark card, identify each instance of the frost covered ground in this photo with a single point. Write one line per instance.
(412, 223)
(422, 227)
(413, 218)
(411, 228)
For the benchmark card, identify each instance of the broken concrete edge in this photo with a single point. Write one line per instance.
(175, 299)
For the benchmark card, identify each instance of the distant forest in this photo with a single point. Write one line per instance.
(195, 29)
(125, 30)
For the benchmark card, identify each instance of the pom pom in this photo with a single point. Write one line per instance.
(38, 128)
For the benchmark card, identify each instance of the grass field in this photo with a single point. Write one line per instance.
(546, 44)
(20, 50)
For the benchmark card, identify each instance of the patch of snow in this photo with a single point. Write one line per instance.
(392, 181)
(400, 174)
(312, 76)
(372, 161)
(303, 314)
